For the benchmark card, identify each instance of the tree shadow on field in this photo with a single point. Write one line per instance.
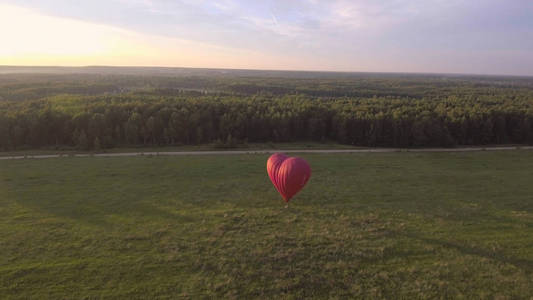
(93, 210)
(520, 263)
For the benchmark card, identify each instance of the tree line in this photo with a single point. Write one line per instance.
(95, 122)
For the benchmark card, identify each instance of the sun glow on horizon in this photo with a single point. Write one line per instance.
(29, 38)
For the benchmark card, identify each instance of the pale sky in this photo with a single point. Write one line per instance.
(434, 36)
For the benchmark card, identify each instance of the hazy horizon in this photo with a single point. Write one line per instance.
(393, 36)
(251, 70)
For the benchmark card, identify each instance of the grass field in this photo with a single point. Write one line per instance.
(432, 225)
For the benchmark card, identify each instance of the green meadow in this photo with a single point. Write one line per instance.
(375, 225)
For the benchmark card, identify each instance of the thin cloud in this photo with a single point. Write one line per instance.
(395, 35)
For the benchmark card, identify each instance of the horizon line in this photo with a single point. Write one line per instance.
(264, 70)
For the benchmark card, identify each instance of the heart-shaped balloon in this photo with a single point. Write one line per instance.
(288, 174)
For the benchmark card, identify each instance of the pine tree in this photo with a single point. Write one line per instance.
(83, 142)
(96, 144)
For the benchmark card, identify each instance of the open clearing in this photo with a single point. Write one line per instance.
(383, 225)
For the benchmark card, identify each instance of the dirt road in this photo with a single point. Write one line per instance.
(237, 152)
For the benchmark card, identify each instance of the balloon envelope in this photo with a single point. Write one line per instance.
(288, 174)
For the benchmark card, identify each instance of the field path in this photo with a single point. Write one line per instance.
(237, 152)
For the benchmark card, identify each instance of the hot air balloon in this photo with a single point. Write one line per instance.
(288, 174)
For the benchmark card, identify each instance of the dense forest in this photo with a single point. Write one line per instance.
(109, 109)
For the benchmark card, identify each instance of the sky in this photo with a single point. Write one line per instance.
(427, 36)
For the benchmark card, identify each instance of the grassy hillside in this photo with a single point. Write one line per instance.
(375, 225)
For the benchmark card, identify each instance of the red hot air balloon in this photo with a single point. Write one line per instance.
(288, 174)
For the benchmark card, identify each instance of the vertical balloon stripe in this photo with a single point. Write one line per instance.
(273, 165)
